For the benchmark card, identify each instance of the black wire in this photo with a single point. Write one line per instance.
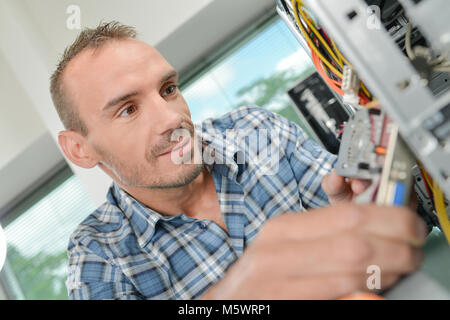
(361, 91)
(328, 56)
(325, 38)
(394, 14)
(322, 50)
(381, 5)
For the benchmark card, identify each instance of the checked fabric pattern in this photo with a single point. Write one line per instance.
(125, 250)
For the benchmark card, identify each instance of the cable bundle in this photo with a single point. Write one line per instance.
(436, 195)
(330, 63)
(326, 57)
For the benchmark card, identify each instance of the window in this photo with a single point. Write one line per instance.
(259, 71)
(36, 261)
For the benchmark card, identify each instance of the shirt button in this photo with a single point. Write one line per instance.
(202, 225)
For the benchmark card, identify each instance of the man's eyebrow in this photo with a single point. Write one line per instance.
(116, 101)
(169, 76)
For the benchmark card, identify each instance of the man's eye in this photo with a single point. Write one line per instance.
(169, 90)
(128, 111)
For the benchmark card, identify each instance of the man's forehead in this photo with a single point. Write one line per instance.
(114, 53)
(96, 74)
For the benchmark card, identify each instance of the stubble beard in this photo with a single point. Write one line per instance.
(135, 176)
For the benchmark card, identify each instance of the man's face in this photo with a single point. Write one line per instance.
(127, 95)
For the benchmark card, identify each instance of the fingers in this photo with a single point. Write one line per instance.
(359, 186)
(329, 287)
(336, 188)
(404, 225)
(333, 183)
(343, 254)
(391, 222)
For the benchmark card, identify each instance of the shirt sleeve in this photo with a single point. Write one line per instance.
(310, 164)
(103, 291)
(91, 277)
(309, 161)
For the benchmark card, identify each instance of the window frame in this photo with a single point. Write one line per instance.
(211, 59)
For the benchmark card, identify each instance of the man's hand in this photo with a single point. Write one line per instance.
(339, 190)
(325, 254)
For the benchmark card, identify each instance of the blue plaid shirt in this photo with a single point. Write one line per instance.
(125, 250)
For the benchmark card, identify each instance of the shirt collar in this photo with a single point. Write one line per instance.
(143, 220)
(219, 153)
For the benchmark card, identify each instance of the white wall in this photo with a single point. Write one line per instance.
(33, 34)
(20, 123)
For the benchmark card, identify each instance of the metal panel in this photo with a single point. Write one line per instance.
(432, 18)
(390, 76)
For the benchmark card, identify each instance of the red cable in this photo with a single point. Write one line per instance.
(425, 183)
(332, 83)
(326, 36)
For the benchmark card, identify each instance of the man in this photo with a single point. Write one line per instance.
(193, 213)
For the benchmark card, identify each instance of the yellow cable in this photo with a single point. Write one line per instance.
(340, 57)
(311, 44)
(363, 88)
(441, 212)
(371, 104)
(339, 54)
(427, 178)
(319, 36)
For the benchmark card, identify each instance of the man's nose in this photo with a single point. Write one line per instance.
(165, 117)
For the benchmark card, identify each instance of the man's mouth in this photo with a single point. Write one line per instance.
(182, 147)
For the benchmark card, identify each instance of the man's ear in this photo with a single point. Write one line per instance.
(76, 149)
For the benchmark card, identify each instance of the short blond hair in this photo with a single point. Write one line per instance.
(88, 38)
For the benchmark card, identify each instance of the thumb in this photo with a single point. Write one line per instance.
(336, 188)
